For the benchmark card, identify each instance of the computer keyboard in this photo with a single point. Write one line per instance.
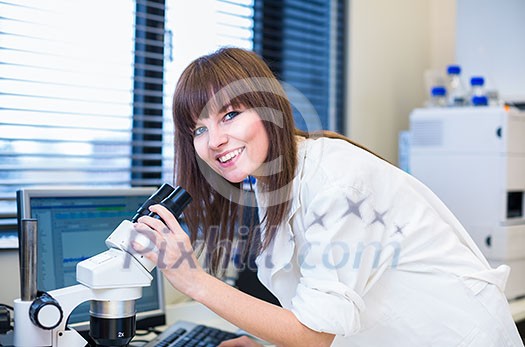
(189, 334)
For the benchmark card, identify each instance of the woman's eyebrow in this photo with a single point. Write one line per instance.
(225, 108)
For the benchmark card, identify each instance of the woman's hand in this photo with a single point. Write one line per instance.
(243, 341)
(173, 253)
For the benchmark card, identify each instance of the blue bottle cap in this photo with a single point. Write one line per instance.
(480, 101)
(438, 91)
(477, 81)
(453, 69)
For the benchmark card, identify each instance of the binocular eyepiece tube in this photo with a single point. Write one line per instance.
(174, 199)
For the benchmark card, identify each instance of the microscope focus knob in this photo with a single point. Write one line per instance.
(45, 312)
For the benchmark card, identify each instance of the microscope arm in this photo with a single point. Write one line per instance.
(29, 334)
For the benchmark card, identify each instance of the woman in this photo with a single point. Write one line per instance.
(358, 252)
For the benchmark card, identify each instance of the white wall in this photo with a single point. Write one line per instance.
(491, 43)
(390, 46)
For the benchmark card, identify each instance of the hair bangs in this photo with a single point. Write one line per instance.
(212, 83)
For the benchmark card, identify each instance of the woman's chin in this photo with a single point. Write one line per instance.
(237, 179)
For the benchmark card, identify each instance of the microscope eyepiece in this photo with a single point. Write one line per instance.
(162, 193)
(174, 199)
(176, 202)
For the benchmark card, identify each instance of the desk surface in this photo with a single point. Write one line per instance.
(195, 312)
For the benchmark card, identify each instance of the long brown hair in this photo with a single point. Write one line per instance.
(230, 76)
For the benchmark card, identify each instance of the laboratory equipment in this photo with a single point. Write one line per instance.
(111, 281)
(73, 224)
(456, 91)
(473, 158)
(478, 95)
(438, 97)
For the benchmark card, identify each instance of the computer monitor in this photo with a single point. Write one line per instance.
(72, 225)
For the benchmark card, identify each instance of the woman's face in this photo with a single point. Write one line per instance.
(233, 142)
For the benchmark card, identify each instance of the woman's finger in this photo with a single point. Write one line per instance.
(167, 216)
(155, 224)
(145, 239)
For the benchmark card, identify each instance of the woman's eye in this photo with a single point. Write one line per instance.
(230, 115)
(199, 131)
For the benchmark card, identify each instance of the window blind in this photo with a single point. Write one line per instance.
(302, 40)
(235, 23)
(76, 94)
(86, 85)
(148, 93)
(220, 23)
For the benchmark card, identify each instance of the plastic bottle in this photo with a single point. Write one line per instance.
(478, 96)
(457, 93)
(494, 99)
(438, 97)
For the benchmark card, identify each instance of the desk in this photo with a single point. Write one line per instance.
(193, 311)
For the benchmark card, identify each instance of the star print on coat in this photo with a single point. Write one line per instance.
(379, 217)
(353, 207)
(318, 219)
(398, 231)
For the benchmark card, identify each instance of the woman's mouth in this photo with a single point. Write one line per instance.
(229, 156)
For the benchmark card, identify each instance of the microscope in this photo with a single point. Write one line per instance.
(112, 281)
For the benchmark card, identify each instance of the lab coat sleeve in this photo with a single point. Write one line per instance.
(341, 255)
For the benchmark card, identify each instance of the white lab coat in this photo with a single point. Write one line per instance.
(370, 254)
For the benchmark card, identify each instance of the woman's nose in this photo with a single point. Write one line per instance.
(217, 138)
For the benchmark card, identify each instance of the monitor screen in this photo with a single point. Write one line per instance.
(72, 225)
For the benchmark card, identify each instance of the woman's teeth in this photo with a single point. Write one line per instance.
(230, 155)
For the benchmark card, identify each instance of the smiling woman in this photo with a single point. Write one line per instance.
(347, 243)
(233, 143)
(229, 101)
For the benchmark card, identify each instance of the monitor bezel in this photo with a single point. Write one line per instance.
(144, 320)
